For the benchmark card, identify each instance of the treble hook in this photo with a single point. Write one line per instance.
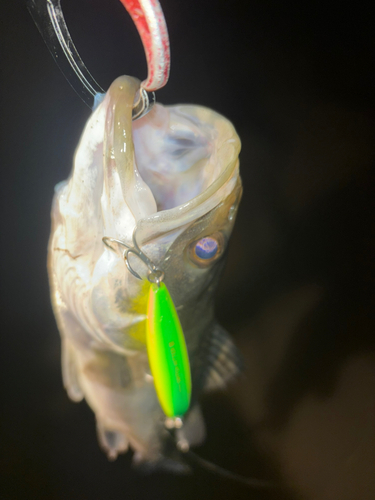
(149, 20)
(155, 274)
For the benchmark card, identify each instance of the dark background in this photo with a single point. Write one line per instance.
(297, 295)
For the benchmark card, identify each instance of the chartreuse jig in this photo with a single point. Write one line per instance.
(167, 352)
(166, 346)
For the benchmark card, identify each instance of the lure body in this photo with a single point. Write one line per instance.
(167, 353)
(173, 175)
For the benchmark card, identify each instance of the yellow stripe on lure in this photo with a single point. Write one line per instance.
(167, 353)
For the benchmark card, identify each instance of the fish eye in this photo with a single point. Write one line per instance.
(206, 250)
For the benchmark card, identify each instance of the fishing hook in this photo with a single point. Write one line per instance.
(155, 275)
(149, 20)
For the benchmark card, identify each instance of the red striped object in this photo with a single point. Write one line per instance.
(149, 20)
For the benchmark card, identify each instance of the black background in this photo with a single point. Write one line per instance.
(297, 81)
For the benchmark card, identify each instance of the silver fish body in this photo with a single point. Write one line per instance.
(173, 177)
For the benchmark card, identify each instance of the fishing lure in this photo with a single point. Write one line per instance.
(166, 346)
(138, 239)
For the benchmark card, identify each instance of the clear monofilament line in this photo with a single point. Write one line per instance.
(149, 20)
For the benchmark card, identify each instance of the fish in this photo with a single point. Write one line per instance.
(169, 181)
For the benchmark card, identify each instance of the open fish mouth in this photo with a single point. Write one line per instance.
(161, 171)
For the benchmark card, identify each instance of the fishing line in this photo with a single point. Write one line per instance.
(194, 460)
(216, 469)
(149, 20)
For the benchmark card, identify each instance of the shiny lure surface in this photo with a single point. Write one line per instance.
(171, 181)
(167, 353)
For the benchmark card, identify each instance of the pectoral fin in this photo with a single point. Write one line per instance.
(223, 360)
(69, 329)
(69, 372)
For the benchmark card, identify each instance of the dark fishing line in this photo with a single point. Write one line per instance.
(194, 460)
(217, 470)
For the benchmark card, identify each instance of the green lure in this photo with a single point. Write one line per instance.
(167, 352)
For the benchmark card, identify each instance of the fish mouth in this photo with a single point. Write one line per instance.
(174, 165)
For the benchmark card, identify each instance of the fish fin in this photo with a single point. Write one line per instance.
(112, 442)
(224, 360)
(70, 372)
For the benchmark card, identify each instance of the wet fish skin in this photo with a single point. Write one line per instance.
(99, 306)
